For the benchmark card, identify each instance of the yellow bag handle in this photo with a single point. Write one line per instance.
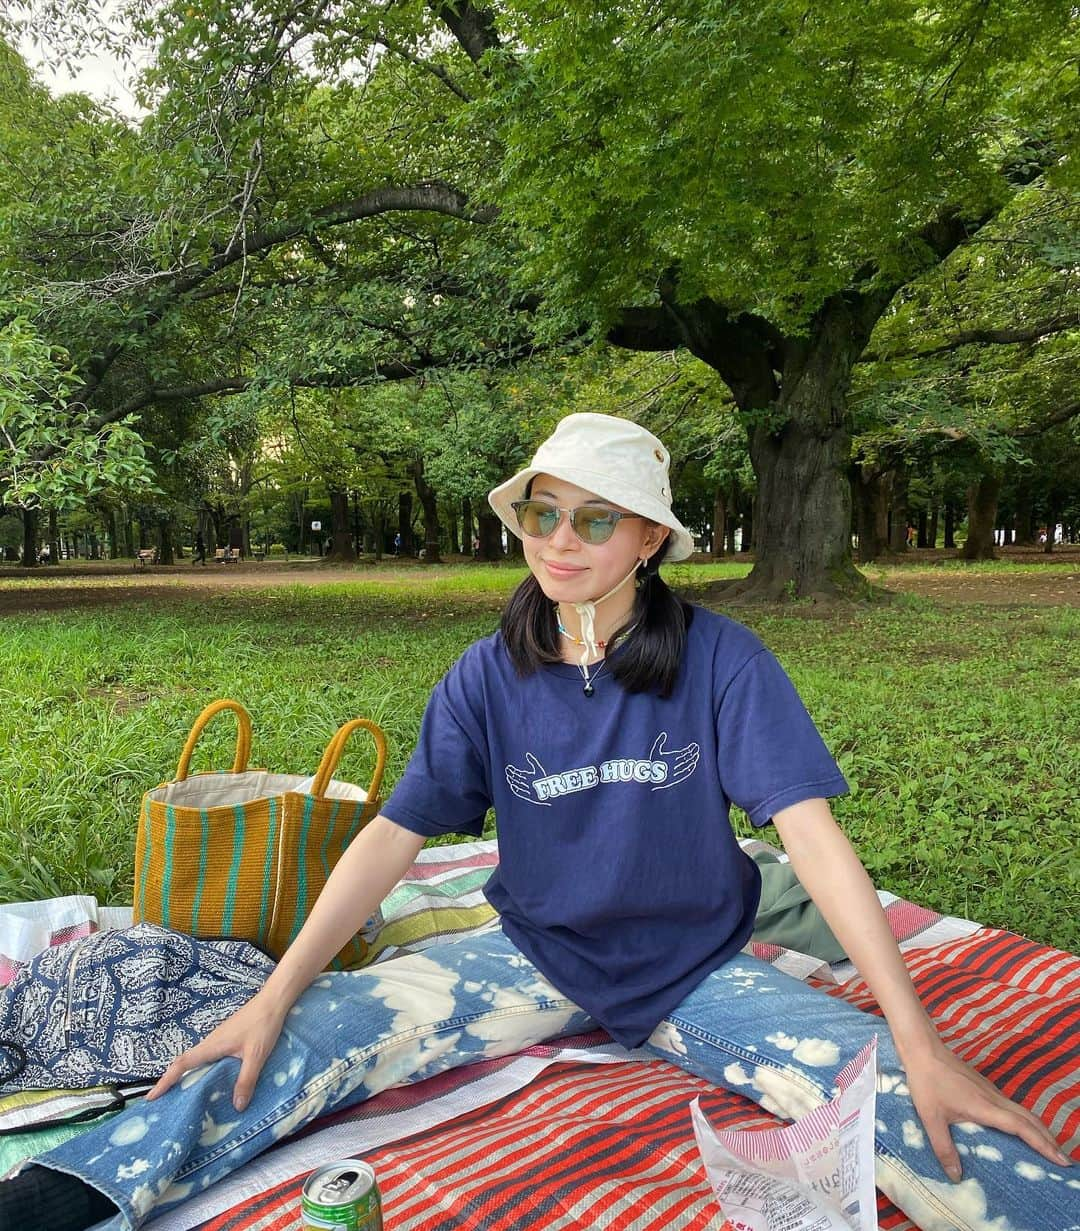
(243, 736)
(336, 747)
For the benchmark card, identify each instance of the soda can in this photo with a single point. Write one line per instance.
(343, 1196)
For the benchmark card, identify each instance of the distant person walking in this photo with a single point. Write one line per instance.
(200, 550)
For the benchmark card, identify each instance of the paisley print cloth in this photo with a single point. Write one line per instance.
(117, 1006)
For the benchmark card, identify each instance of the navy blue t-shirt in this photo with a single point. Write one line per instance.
(619, 875)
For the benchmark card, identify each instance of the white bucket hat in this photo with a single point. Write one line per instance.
(618, 460)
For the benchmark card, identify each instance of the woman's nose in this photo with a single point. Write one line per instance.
(564, 535)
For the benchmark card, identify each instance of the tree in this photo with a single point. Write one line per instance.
(758, 192)
(976, 362)
(753, 190)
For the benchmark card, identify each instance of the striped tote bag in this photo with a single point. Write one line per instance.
(245, 853)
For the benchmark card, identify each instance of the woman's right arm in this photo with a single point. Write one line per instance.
(376, 859)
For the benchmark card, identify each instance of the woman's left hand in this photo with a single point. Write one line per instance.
(947, 1091)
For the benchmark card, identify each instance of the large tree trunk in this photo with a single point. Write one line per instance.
(719, 523)
(982, 512)
(1025, 516)
(405, 522)
(341, 544)
(950, 524)
(165, 541)
(803, 546)
(931, 533)
(30, 538)
(429, 502)
(800, 434)
(489, 531)
(870, 488)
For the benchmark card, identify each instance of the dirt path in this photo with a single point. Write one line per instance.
(1034, 584)
(105, 585)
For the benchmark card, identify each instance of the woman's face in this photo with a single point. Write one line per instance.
(570, 571)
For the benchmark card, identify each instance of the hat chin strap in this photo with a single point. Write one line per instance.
(587, 616)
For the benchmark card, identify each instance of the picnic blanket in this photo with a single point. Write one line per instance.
(583, 1133)
(586, 1144)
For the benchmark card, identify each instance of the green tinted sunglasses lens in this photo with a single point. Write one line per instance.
(536, 518)
(595, 525)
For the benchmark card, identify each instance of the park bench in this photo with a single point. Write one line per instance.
(145, 556)
(257, 553)
(227, 555)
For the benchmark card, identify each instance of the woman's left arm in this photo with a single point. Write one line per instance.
(944, 1089)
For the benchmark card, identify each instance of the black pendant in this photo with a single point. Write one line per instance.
(588, 690)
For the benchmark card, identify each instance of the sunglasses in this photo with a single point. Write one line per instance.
(592, 523)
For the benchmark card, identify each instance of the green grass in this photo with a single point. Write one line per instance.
(958, 727)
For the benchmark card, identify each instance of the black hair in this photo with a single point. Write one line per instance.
(654, 644)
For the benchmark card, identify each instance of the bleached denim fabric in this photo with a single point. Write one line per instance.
(748, 1027)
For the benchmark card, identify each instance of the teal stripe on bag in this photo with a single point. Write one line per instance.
(326, 839)
(301, 871)
(359, 805)
(234, 869)
(204, 843)
(147, 843)
(166, 875)
(271, 846)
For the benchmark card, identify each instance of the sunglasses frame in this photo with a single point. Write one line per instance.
(518, 505)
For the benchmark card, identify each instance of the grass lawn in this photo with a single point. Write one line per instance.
(958, 725)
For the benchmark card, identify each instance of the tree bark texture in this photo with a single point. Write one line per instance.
(405, 522)
(792, 391)
(165, 542)
(489, 531)
(30, 538)
(429, 502)
(870, 490)
(1025, 516)
(341, 543)
(950, 524)
(982, 513)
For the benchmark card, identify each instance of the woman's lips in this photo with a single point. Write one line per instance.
(562, 570)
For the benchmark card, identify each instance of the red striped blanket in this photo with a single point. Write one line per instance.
(610, 1146)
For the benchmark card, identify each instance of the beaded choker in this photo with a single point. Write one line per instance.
(576, 640)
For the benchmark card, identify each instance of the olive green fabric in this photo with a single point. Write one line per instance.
(787, 915)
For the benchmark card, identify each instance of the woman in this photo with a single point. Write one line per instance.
(610, 726)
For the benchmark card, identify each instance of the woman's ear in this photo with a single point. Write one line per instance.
(653, 541)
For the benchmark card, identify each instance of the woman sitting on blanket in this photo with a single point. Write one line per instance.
(610, 726)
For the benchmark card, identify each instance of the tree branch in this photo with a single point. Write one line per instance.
(429, 66)
(474, 28)
(995, 337)
(434, 197)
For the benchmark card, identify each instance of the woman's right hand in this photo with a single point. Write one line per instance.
(249, 1034)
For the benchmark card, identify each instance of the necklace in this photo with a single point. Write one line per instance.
(588, 690)
(576, 640)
